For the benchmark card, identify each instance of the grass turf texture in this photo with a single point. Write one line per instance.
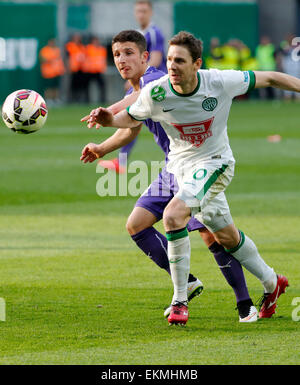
(64, 250)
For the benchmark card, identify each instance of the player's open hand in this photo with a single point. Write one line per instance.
(90, 153)
(91, 119)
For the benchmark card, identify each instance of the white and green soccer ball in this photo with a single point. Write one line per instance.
(24, 111)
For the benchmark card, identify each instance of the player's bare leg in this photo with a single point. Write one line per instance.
(139, 220)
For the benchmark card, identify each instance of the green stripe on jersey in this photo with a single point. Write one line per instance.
(252, 80)
(211, 180)
(177, 235)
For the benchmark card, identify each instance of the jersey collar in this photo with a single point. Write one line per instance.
(191, 93)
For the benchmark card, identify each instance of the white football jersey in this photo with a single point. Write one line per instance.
(195, 123)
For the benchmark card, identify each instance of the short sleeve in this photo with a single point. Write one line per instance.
(141, 108)
(238, 82)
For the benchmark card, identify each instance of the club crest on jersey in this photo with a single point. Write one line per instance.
(195, 133)
(158, 93)
(209, 104)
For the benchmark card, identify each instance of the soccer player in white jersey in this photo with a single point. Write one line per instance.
(192, 106)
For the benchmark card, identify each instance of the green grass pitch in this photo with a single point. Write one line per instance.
(64, 250)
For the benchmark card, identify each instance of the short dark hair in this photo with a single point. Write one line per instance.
(132, 36)
(144, 2)
(186, 39)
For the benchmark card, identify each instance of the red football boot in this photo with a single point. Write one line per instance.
(269, 300)
(179, 314)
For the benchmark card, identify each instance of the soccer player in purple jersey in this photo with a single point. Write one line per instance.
(130, 56)
(153, 35)
(156, 47)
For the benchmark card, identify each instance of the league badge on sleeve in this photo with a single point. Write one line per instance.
(158, 93)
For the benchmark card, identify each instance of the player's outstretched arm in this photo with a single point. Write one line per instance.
(121, 120)
(277, 80)
(119, 139)
(114, 108)
(124, 103)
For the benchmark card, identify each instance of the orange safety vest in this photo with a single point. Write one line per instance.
(77, 56)
(96, 57)
(52, 64)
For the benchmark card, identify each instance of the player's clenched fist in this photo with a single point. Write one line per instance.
(99, 117)
(90, 153)
(103, 116)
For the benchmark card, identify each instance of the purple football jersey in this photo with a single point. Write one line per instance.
(156, 42)
(160, 136)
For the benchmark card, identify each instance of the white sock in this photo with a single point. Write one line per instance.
(179, 252)
(247, 254)
(270, 285)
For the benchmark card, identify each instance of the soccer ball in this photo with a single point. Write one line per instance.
(24, 111)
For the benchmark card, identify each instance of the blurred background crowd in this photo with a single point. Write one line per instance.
(86, 62)
(235, 54)
(74, 62)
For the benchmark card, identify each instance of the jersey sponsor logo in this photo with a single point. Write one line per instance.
(195, 133)
(246, 76)
(209, 104)
(158, 93)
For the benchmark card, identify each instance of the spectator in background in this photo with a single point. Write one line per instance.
(248, 62)
(95, 66)
(231, 55)
(265, 56)
(235, 54)
(52, 68)
(215, 57)
(290, 62)
(153, 35)
(76, 58)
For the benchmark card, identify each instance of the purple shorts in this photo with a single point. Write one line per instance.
(159, 194)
